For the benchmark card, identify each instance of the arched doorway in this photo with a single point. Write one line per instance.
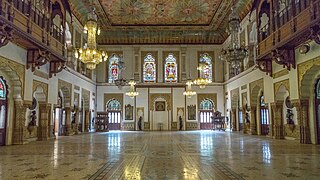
(317, 108)
(3, 111)
(205, 113)
(264, 118)
(114, 114)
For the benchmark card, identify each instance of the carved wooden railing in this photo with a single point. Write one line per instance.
(300, 23)
(32, 29)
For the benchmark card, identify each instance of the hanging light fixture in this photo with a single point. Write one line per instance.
(202, 81)
(189, 93)
(89, 53)
(132, 93)
(235, 53)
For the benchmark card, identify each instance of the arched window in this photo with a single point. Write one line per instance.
(114, 105)
(206, 71)
(206, 104)
(3, 90)
(113, 68)
(171, 70)
(149, 69)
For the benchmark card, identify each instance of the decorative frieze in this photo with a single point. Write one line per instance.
(280, 73)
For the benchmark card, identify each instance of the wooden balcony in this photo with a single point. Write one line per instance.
(290, 33)
(29, 28)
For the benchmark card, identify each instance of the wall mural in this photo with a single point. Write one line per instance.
(192, 112)
(129, 112)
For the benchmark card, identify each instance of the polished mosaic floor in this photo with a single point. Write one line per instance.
(161, 155)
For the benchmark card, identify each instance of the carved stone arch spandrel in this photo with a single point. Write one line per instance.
(16, 73)
(43, 85)
(255, 91)
(154, 97)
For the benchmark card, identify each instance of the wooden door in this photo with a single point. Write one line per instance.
(205, 119)
(114, 120)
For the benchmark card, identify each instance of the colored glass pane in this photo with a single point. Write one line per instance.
(2, 90)
(114, 105)
(206, 105)
(149, 69)
(206, 71)
(113, 68)
(171, 69)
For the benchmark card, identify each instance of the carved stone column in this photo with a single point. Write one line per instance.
(44, 119)
(253, 120)
(136, 64)
(302, 107)
(68, 129)
(246, 127)
(233, 122)
(277, 115)
(19, 128)
(75, 124)
(183, 64)
(87, 120)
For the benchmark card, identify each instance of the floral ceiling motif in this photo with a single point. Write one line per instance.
(206, 19)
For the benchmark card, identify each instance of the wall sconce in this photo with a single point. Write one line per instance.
(304, 49)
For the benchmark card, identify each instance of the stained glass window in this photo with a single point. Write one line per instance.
(114, 105)
(206, 71)
(2, 89)
(318, 90)
(171, 69)
(206, 104)
(113, 68)
(149, 69)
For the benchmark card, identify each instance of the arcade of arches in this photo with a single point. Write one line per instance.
(49, 98)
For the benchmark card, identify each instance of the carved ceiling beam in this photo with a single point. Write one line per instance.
(284, 57)
(265, 65)
(6, 34)
(315, 33)
(37, 58)
(56, 66)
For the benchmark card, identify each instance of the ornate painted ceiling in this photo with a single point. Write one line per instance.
(160, 21)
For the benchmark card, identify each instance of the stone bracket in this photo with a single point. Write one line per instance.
(6, 34)
(37, 58)
(315, 33)
(265, 65)
(284, 57)
(56, 66)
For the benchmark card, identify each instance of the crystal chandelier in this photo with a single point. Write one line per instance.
(189, 93)
(120, 82)
(202, 81)
(132, 93)
(235, 53)
(89, 53)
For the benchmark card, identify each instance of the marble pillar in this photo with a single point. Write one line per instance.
(87, 120)
(68, 129)
(233, 120)
(246, 126)
(302, 107)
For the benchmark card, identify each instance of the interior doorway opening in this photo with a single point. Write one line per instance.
(3, 111)
(317, 108)
(264, 116)
(205, 114)
(114, 114)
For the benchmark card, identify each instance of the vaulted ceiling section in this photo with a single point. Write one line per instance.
(160, 21)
